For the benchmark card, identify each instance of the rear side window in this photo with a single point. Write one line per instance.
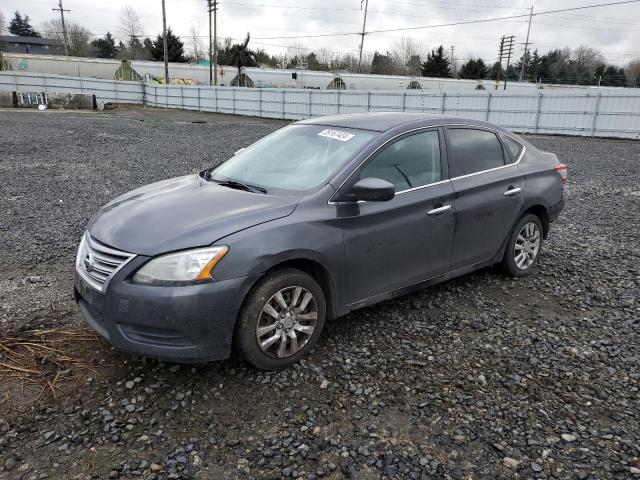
(514, 148)
(472, 151)
(408, 163)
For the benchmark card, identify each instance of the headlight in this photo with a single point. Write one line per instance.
(81, 250)
(188, 266)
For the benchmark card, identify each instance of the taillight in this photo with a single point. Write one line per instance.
(562, 170)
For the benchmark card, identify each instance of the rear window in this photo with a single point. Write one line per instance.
(472, 151)
(514, 148)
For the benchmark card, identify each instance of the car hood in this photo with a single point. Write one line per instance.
(180, 213)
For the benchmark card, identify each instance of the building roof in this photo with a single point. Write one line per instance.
(383, 121)
(30, 40)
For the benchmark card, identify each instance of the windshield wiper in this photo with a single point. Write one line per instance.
(240, 186)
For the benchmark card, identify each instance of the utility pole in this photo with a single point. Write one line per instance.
(64, 26)
(215, 41)
(364, 26)
(525, 58)
(506, 50)
(164, 44)
(212, 6)
(453, 65)
(209, 8)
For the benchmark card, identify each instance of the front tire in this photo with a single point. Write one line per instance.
(281, 320)
(523, 247)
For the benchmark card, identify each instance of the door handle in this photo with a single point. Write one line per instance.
(437, 211)
(512, 191)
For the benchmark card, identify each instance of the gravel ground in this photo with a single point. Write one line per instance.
(482, 377)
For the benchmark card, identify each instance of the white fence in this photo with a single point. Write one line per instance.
(605, 114)
(104, 90)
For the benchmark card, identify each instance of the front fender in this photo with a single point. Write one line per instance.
(258, 249)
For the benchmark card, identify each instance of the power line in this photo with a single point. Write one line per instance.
(591, 19)
(447, 4)
(467, 22)
(585, 27)
(453, 24)
(297, 7)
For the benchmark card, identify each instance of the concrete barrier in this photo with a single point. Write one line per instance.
(8, 100)
(80, 101)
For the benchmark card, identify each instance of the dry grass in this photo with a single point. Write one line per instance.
(39, 365)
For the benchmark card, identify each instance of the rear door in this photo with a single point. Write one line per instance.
(389, 245)
(488, 189)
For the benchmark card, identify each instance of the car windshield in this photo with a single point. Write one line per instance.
(297, 157)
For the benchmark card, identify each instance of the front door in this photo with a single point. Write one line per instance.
(389, 245)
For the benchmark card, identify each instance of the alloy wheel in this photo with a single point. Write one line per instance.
(527, 246)
(287, 322)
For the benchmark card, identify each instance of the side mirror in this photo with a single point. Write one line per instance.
(372, 190)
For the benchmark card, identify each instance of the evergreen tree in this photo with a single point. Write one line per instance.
(553, 67)
(21, 27)
(241, 57)
(531, 65)
(382, 64)
(175, 48)
(512, 73)
(437, 65)
(263, 57)
(121, 49)
(496, 72)
(613, 77)
(474, 69)
(148, 47)
(105, 47)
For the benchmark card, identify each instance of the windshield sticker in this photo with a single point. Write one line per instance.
(336, 135)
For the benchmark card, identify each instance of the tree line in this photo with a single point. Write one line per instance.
(583, 65)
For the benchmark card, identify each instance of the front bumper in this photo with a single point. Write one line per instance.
(185, 324)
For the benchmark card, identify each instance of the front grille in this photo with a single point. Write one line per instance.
(97, 263)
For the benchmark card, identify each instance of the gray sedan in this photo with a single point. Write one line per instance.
(318, 219)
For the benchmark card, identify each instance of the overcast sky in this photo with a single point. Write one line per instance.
(614, 30)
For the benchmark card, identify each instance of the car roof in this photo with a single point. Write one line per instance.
(383, 121)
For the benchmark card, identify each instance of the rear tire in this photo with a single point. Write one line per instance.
(523, 247)
(281, 320)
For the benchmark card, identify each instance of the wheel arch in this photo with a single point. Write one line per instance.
(318, 272)
(542, 213)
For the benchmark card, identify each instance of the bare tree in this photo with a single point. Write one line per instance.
(348, 62)
(130, 27)
(367, 58)
(587, 57)
(326, 57)
(4, 64)
(405, 51)
(79, 37)
(195, 46)
(295, 52)
(281, 60)
(633, 72)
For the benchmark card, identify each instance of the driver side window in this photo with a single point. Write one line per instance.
(410, 162)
